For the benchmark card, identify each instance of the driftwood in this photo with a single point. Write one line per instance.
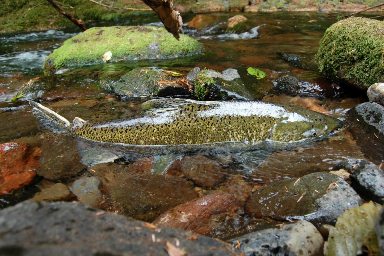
(169, 17)
(75, 21)
(368, 9)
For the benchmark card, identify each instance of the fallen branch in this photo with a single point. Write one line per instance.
(368, 9)
(75, 21)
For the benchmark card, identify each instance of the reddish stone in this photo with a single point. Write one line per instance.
(202, 215)
(18, 163)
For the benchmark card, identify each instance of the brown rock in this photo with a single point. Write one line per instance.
(202, 215)
(56, 192)
(60, 157)
(203, 171)
(238, 187)
(202, 21)
(18, 163)
(141, 195)
(236, 20)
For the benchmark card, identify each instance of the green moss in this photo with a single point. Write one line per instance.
(202, 84)
(125, 43)
(353, 50)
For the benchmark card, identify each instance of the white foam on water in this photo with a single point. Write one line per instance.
(37, 36)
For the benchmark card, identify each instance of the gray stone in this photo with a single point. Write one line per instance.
(367, 178)
(64, 229)
(301, 238)
(373, 115)
(318, 197)
(376, 93)
(87, 190)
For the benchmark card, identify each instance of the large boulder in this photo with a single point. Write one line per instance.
(74, 229)
(99, 44)
(318, 197)
(352, 50)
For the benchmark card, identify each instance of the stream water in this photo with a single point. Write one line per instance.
(76, 93)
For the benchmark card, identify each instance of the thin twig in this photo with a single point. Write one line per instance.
(370, 8)
(116, 8)
(75, 21)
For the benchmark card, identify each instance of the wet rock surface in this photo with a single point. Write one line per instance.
(73, 229)
(60, 158)
(141, 195)
(205, 215)
(380, 231)
(317, 197)
(87, 190)
(203, 171)
(301, 238)
(366, 123)
(55, 192)
(146, 82)
(18, 165)
(367, 178)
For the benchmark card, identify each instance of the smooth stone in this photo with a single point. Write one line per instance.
(87, 190)
(143, 196)
(318, 197)
(18, 165)
(204, 172)
(60, 157)
(301, 238)
(66, 229)
(375, 93)
(56, 192)
(205, 215)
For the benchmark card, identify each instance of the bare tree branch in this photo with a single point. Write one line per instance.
(75, 21)
(370, 8)
(169, 17)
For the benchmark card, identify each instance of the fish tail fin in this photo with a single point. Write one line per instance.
(49, 119)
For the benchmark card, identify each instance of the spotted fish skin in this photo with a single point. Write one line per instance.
(214, 122)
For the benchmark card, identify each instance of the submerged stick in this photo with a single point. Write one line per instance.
(77, 22)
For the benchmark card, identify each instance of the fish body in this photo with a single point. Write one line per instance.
(197, 123)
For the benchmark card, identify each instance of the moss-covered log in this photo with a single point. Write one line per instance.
(353, 50)
(121, 43)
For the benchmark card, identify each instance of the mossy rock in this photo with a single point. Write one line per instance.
(352, 50)
(126, 43)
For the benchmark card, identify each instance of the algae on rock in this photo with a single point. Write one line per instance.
(352, 50)
(125, 43)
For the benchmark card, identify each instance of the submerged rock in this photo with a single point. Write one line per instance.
(87, 190)
(351, 49)
(73, 229)
(56, 192)
(204, 215)
(147, 82)
(18, 164)
(124, 43)
(317, 197)
(366, 123)
(60, 157)
(376, 93)
(301, 238)
(141, 195)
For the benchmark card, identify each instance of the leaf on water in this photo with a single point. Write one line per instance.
(258, 73)
(355, 230)
(174, 251)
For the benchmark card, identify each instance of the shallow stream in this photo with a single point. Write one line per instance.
(76, 93)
